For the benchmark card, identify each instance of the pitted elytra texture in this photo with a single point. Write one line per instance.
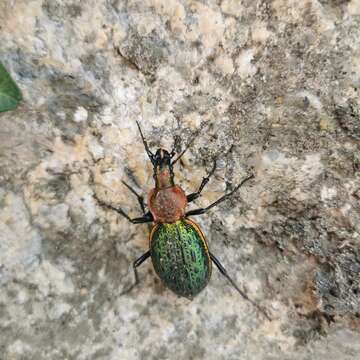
(180, 257)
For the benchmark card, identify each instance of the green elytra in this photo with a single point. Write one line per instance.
(180, 257)
(178, 249)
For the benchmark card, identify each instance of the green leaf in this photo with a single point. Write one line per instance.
(10, 94)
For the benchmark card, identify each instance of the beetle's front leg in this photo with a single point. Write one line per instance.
(191, 197)
(218, 201)
(139, 220)
(139, 197)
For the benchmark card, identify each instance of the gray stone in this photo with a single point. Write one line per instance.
(272, 88)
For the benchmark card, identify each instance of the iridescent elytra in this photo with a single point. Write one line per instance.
(177, 246)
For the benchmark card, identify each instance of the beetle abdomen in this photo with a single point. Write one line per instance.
(180, 257)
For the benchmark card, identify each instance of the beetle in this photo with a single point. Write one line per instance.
(178, 249)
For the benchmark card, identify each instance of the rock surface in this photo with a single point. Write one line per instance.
(273, 86)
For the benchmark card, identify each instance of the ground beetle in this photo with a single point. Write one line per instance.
(178, 249)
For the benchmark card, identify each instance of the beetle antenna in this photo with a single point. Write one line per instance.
(107, 188)
(186, 147)
(150, 154)
(173, 151)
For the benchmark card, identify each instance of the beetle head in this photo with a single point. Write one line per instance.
(163, 169)
(161, 159)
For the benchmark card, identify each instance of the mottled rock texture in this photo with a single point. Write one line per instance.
(274, 88)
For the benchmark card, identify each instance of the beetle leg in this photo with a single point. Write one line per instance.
(140, 198)
(136, 264)
(191, 197)
(139, 220)
(242, 293)
(218, 201)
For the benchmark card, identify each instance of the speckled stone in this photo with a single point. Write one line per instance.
(273, 88)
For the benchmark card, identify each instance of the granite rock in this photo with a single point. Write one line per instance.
(272, 88)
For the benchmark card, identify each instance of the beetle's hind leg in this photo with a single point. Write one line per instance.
(191, 197)
(242, 293)
(136, 264)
